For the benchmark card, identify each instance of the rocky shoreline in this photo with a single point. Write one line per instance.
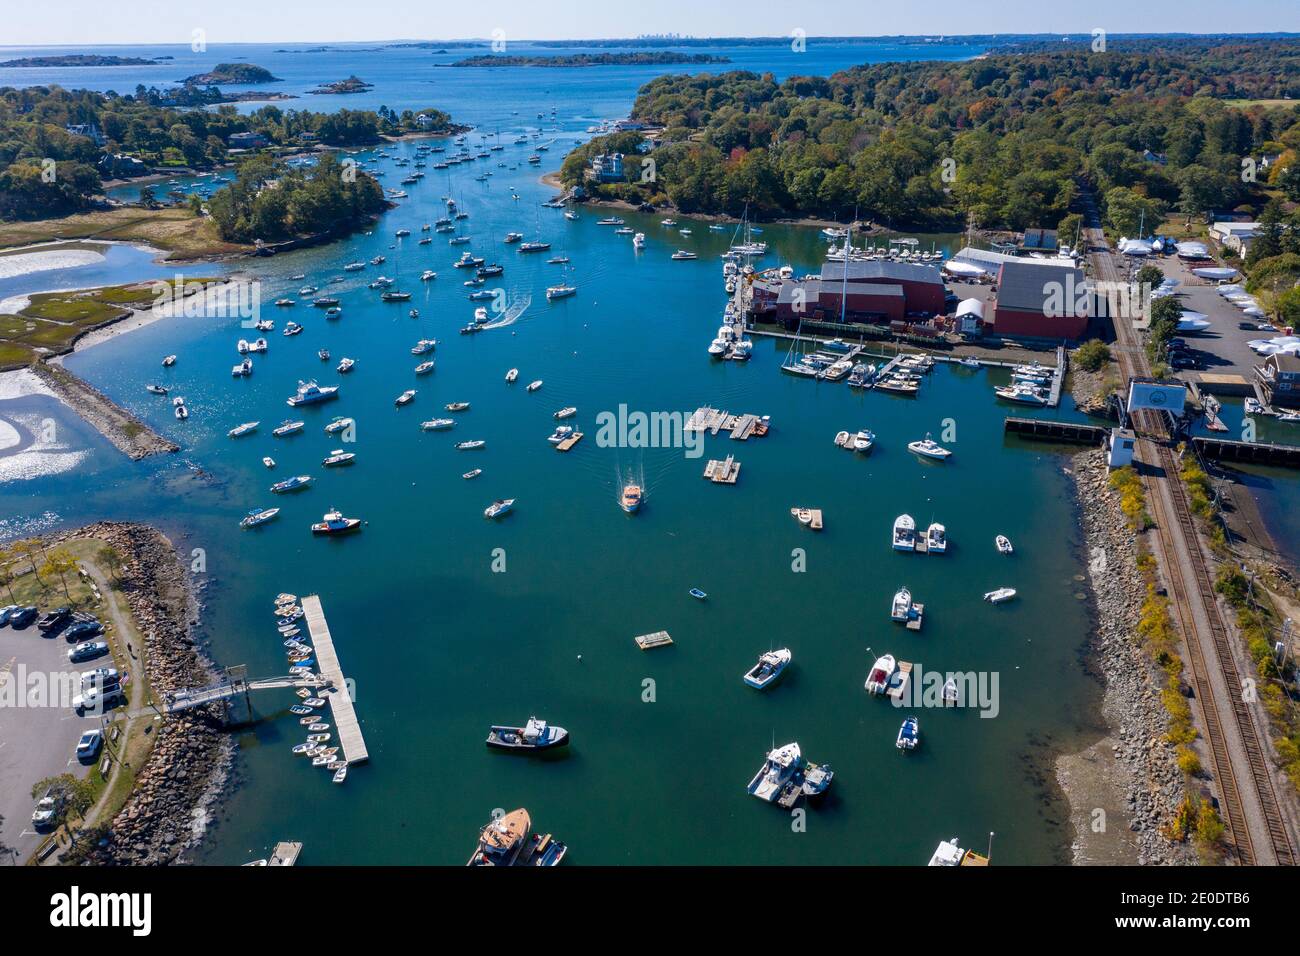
(192, 759)
(1131, 774)
(128, 433)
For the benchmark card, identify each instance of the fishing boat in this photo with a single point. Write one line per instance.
(638, 241)
(558, 261)
(904, 533)
(1003, 544)
(258, 516)
(1000, 595)
(424, 368)
(499, 507)
(395, 297)
(770, 666)
(333, 522)
(630, 500)
(567, 412)
(295, 483)
(354, 267)
(288, 427)
(437, 424)
(345, 365)
(1021, 394)
(338, 424)
(424, 346)
(247, 428)
(535, 385)
(909, 735)
(324, 302)
(929, 448)
(901, 607)
(472, 473)
(513, 237)
(881, 672)
(534, 247)
(936, 539)
(339, 457)
(785, 777)
(697, 594)
(309, 393)
(609, 221)
(405, 398)
(533, 736)
(471, 446)
(502, 840)
(512, 375)
(968, 362)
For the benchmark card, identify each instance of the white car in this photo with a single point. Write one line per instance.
(100, 677)
(96, 699)
(47, 808)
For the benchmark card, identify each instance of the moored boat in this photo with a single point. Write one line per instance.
(533, 736)
(768, 669)
(499, 507)
(333, 522)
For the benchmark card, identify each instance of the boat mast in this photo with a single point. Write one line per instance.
(844, 278)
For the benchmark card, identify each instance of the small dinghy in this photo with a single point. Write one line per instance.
(341, 774)
(299, 709)
(909, 735)
(1003, 544)
(697, 594)
(405, 398)
(472, 474)
(1000, 596)
(268, 461)
(768, 669)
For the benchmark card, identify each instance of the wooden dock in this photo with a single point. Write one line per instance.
(657, 639)
(815, 523)
(569, 442)
(723, 472)
(898, 682)
(1259, 453)
(741, 427)
(1058, 377)
(914, 619)
(286, 854)
(345, 716)
(1057, 431)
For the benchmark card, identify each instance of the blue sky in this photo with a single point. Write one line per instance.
(98, 23)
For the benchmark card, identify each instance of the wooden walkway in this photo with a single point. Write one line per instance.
(723, 472)
(345, 716)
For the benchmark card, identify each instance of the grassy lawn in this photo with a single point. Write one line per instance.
(176, 231)
(1242, 104)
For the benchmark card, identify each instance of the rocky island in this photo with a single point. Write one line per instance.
(232, 74)
(353, 84)
(75, 59)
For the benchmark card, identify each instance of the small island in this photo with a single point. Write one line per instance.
(231, 74)
(79, 59)
(353, 84)
(595, 59)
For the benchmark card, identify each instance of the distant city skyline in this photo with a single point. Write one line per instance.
(90, 23)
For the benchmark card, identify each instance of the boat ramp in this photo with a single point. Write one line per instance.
(340, 701)
(723, 472)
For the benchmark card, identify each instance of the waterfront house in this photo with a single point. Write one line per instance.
(608, 167)
(1235, 235)
(121, 166)
(1039, 299)
(1279, 377)
(88, 130)
(247, 141)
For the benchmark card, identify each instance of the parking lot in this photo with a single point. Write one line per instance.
(38, 729)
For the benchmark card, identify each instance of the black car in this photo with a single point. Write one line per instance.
(22, 617)
(83, 630)
(54, 619)
(1183, 360)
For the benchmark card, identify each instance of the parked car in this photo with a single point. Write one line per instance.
(87, 650)
(89, 746)
(6, 612)
(97, 699)
(100, 677)
(46, 812)
(1183, 360)
(22, 617)
(81, 630)
(54, 619)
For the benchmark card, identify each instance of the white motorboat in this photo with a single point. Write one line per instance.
(499, 507)
(769, 668)
(437, 424)
(534, 386)
(533, 736)
(904, 533)
(936, 539)
(512, 375)
(1000, 595)
(245, 429)
(1003, 544)
(909, 735)
(929, 448)
(901, 608)
(881, 672)
(864, 441)
(567, 412)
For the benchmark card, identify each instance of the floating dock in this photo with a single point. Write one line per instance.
(569, 442)
(345, 716)
(898, 682)
(914, 620)
(713, 421)
(723, 472)
(657, 639)
(286, 854)
(816, 522)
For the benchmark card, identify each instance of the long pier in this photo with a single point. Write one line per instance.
(340, 701)
(1050, 430)
(190, 698)
(1259, 453)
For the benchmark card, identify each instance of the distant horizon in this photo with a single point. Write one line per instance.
(668, 40)
(141, 23)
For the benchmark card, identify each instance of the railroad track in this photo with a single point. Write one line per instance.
(1180, 539)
